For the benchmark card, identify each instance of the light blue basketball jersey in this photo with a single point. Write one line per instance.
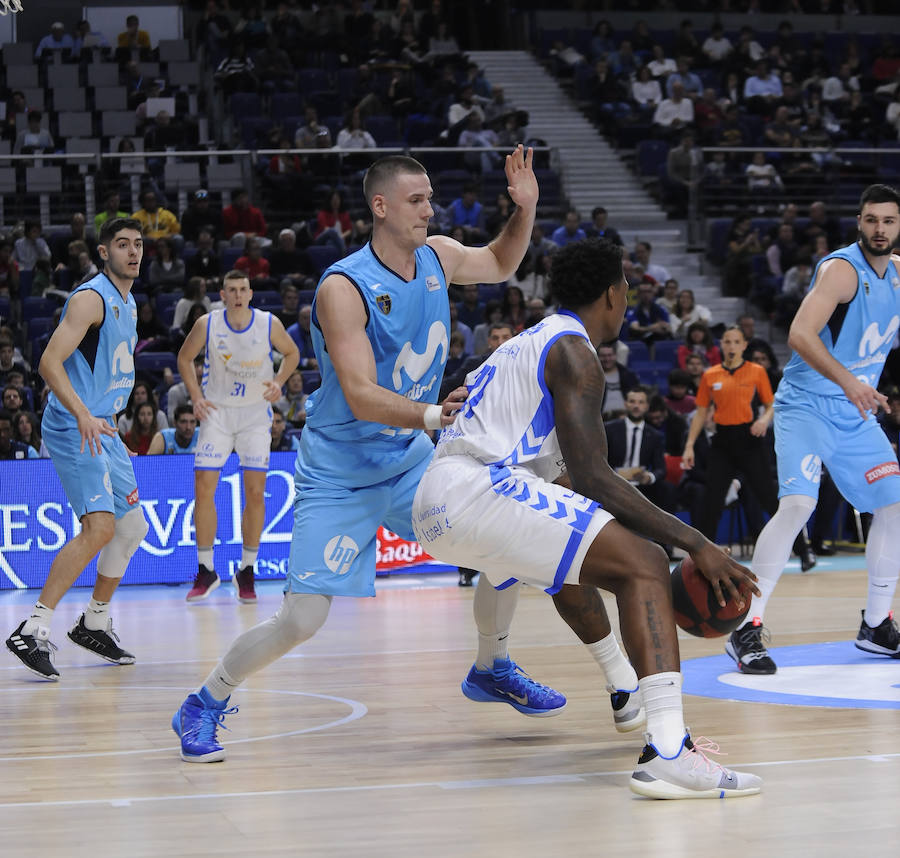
(172, 447)
(859, 334)
(409, 328)
(101, 368)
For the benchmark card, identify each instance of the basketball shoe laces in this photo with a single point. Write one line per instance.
(210, 721)
(701, 747)
(522, 683)
(754, 639)
(45, 646)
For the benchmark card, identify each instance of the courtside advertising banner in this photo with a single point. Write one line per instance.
(36, 521)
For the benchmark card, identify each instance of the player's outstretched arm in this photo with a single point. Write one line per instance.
(836, 283)
(84, 311)
(575, 379)
(342, 319)
(498, 260)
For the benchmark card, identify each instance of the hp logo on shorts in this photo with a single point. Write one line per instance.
(340, 554)
(811, 466)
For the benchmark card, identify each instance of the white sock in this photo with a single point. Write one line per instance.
(774, 546)
(41, 616)
(493, 611)
(665, 717)
(96, 615)
(248, 556)
(219, 684)
(205, 556)
(883, 562)
(620, 675)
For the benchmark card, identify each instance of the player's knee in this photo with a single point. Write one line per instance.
(796, 508)
(131, 529)
(301, 615)
(98, 529)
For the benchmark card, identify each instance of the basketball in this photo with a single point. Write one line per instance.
(695, 605)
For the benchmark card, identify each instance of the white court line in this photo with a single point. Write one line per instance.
(357, 711)
(542, 780)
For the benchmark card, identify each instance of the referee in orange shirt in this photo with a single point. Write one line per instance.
(739, 445)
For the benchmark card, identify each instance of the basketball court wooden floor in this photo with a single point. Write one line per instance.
(361, 744)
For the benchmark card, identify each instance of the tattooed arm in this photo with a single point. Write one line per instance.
(575, 379)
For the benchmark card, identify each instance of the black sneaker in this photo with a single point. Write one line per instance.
(466, 576)
(102, 643)
(884, 639)
(745, 646)
(34, 652)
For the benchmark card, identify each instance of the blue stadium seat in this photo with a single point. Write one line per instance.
(286, 104)
(322, 255)
(267, 299)
(650, 154)
(165, 306)
(313, 80)
(246, 104)
(33, 307)
(155, 362)
(311, 380)
(665, 352)
(4, 307)
(638, 352)
(230, 255)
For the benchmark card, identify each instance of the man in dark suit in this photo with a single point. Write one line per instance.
(637, 450)
(619, 380)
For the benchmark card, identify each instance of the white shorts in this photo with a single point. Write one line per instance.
(247, 431)
(505, 522)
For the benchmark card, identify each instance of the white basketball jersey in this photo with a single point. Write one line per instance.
(237, 362)
(508, 417)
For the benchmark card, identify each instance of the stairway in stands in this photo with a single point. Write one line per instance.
(593, 174)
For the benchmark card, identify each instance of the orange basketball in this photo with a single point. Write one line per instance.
(696, 608)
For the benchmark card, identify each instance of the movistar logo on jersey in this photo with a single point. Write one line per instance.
(416, 364)
(873, 340)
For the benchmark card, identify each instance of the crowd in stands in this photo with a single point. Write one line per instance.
(774, 93)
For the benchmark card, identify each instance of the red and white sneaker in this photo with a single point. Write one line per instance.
(243, 584)
(205, 582)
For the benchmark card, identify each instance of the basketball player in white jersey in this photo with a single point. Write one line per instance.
(233, 403)
(488, 501)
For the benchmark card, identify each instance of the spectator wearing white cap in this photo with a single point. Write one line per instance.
(58, 40)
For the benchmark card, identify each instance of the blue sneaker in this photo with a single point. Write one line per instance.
(196, 724)
(508, 683)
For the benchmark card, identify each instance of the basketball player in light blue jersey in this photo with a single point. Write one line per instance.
(180, 438)
(825, 414)
(88, 365)
(381, 335)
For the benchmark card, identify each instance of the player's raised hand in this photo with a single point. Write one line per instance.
(523, 186)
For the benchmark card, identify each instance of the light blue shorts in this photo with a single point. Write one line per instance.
(336, 523)
(813, 430)
(101, 483)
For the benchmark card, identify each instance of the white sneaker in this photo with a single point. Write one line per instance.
(690, 774)
(627, 708)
